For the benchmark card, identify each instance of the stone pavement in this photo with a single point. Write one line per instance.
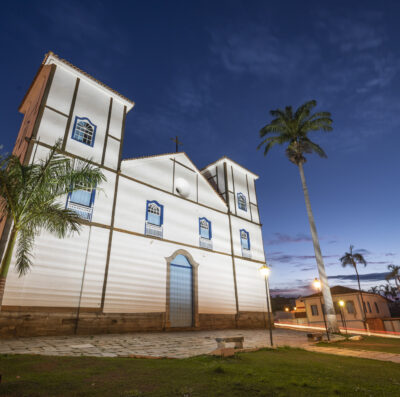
(167, 344)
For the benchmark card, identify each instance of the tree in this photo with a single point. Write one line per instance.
(293, 129)
(32, 195)
(389, 291)
(394, 273)
(374, 290)
(351, 259)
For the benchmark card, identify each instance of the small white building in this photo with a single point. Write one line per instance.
(163, 245)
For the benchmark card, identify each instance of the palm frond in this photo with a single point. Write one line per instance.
(25, 242)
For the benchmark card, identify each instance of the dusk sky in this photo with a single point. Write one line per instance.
(210, 71)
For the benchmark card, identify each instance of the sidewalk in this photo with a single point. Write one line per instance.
(373, 355)
(169, 344)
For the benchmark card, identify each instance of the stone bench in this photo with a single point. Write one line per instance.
(237, 340)
(315, 337)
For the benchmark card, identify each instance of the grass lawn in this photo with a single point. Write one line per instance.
(281, 372)
(375, 343)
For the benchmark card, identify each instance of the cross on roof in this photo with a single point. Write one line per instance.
(177, 143)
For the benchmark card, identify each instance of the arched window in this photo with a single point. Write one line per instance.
(241, 198)
(154, 213)
(244, 239)
(376, 307)
(205, 228)
(84, 131)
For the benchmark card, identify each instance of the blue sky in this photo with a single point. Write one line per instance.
(211, 71)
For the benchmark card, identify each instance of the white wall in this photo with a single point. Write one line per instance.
(137, 277)
(181, 217)
(56, 276)
(251, 286)
(256, 243)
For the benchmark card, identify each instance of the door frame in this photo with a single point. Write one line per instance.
(195, 266)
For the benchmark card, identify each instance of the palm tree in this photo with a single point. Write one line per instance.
(388, 291)
(32, 196)
(293, 129)
(351, 259)
(374, 290)
(395, 275)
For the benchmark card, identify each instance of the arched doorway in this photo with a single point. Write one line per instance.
(181, 297)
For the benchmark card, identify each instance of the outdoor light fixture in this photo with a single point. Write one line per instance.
(341, 306)
(317, 285)
(286, 309)
(265, 272)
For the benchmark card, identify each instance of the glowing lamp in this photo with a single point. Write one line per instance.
(264, 271)
(286, 309)
(317, 284)
(341, 303)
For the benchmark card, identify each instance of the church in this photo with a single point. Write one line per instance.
(163, 244)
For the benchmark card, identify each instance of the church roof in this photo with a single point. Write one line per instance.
(51, 54)
(191, 162)
(225, 158)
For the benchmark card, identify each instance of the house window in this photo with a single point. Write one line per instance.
(376, 307)
(244, 239)
(205, 233)
(245, 243)
(84, 131)
(154, 213)
(350, 307)
(242, 201)
(314, 310)
(369, 307)
(154, 219)
(81, 201)
(205, 228)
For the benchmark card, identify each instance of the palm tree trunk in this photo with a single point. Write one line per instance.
(363, 309)
(326, 292)
(5, 264)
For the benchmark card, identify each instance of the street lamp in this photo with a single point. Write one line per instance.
(317, 285)
(341, 306)
(265, 272)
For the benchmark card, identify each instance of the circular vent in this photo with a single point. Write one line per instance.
(182, 187)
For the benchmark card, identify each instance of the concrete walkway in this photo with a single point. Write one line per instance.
(167, 344)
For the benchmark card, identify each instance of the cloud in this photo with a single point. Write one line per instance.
(362, 251)
(288, 258)
(363, 277)
(255, 50)
(285, 238)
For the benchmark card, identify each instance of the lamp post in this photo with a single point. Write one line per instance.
(317, 285)
(341, 306)
(265, 271)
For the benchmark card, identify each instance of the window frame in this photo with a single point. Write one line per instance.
(353, 306)
(240, 196)
(209, 228)
(77, 120)
(376, 307)
(248, 239)
(88, 207)
(148, 202)
(315, 312)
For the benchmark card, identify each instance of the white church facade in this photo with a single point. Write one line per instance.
(163, 245)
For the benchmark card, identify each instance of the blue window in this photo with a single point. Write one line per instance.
(241, 198)
(154, 213)
(244, 239)
(205, 228)
(84, 131)
(81, 201)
